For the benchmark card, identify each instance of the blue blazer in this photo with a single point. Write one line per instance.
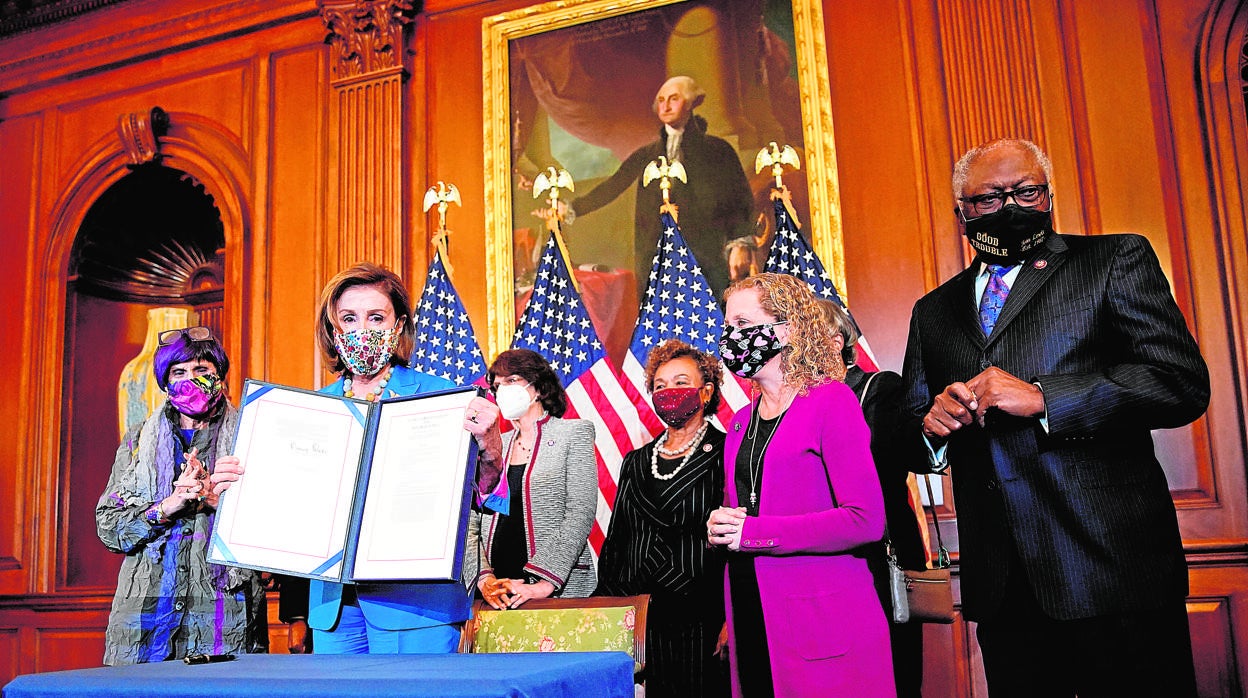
(394, 606)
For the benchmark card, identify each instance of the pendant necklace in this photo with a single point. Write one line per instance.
(756, 466)
(692, 448)
(525, 452)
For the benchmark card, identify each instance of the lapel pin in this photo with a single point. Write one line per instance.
(1040, 264)
(706, 448)
(736, 427)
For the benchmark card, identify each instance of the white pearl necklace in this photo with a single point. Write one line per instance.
(691, 449)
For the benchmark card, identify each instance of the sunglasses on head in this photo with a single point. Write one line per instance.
(195, 334)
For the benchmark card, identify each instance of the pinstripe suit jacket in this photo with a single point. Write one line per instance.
(560, 498)
(1085, 505)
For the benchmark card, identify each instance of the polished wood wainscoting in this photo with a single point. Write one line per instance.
(315, 126)
(54, 633)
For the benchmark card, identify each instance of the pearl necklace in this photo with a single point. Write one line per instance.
(381, 387)
(691, 447)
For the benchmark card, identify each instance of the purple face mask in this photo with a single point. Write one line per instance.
(196, 397)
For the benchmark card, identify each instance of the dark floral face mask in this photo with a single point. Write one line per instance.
(745, 350)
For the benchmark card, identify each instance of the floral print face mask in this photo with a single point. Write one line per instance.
(366, 351)
(745, 350)
(196, 397)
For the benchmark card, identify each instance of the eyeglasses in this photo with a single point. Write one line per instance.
(1029, 196)
(195, 334)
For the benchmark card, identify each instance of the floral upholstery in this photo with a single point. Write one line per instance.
(556, 630)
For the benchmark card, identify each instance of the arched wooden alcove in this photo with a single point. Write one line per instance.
(153, 239)
(121, 242)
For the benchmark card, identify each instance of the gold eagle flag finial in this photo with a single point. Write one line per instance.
(776, 157)
(665, 172)
(442, 194)
(553, 180)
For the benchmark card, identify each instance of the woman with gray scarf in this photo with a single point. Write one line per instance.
(158, 510)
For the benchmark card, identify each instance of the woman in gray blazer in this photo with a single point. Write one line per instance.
(534, 542)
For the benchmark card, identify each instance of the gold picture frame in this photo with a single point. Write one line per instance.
(819, 168)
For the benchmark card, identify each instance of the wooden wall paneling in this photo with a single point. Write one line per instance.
(993, 86)
(365, 200)
(1209, 136)
(453, 142)
(296, 184)
(220, 94)
(20, 141)
(417, 251)
(101, 336)
(869, 53)
(937, 244)
(59, 649)
(1065, 105)
(1137, 184)
(52, 633)
(10, 653)
(1217, 609)
(129, 33)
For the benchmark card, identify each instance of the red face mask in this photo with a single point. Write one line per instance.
(677, 405)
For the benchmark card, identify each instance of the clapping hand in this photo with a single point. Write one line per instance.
(188, 488)
(204, 486)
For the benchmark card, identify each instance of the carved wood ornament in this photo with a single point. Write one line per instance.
(140, 133)
(365, 34)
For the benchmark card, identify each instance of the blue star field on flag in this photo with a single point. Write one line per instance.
(555, 323)
(678, 304)
(791, 254)
(678, 301)
(446, 345)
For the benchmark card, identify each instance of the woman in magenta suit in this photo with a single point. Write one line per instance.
(802, 502)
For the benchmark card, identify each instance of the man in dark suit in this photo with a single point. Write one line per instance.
(714, 206)
(1036, 375)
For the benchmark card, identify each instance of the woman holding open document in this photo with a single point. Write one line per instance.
(365, 334)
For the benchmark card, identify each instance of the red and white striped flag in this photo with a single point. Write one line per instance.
(556, 325)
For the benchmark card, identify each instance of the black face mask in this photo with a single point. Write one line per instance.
(1007, 235)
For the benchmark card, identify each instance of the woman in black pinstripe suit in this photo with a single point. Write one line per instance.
(657, 540)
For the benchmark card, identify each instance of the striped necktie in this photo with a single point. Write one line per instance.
(994, 298)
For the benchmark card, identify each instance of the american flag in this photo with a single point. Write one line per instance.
(791, 254)
(557, 326)
(446, 346)
(679, 304)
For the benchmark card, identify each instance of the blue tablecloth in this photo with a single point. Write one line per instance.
(543, 675)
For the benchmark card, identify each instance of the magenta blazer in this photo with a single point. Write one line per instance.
(820, 501)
